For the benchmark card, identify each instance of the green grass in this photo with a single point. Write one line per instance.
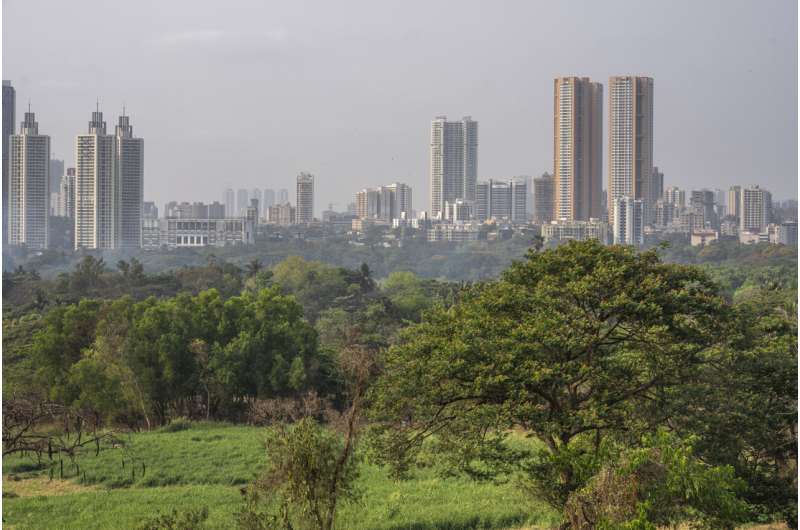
(207, 464)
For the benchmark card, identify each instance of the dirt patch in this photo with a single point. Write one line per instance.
(14, 486)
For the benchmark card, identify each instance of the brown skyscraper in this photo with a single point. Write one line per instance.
(577, 148)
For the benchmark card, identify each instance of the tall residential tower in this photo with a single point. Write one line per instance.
(29, 186)
(9, 117)
(453, 161)
(630, 143)
(577, 148)
(96, 188)
(305, 198)
(130, 177)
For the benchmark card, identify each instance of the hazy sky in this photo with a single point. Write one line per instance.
(249, 93)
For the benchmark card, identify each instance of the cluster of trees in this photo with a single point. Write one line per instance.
(217, 338)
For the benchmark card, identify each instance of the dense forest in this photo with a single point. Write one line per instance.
(653, 392)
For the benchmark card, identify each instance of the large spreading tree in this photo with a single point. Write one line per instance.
(581, 347)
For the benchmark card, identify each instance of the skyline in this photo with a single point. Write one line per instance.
(352, 104)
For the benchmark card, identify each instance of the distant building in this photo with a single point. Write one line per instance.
(281, 214)
(578, 148)
(703, 203)
(305, 198)
(559, 231)
(56, 172)
(501, 201)
(455, 232)
(628, 225)
(283, 196)
(630, 145)
(149, 210)
(755, 209)
(703, 237)
(386, 202)
(735, 201)
(130, 179)
(179, 233)
(675, 196)
(252, 212)
(66, 195)
(96, 189)
(258, 196)
(29, 186)
(453, 161)
(269, 200)
(229, 200)
(457, 211)
(9, 120)
(216, 210)
(786, 233)
(543, 198)
(242, 202)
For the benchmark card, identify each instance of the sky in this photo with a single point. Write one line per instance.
(249, 93)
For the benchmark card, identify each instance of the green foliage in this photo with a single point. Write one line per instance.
(405, 290)
(574, 345)
(662, 483)
(178, 520)
(305, 479)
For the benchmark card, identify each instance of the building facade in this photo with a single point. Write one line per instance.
(66, 195)
(755, 210)
(29, 186)
(558, 231)
(577, 148)
(9, 119)
(281, 214)
(628, 226)
(735, 201)
(453, 161)
(630, 142)
(305, 198)
(504, 200)
(96, 189)
(229, 200)
(130, 179)
(543, 198)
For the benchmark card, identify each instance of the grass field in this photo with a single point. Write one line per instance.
(207, 464)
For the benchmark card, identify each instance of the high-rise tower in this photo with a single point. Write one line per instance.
(9, 118)
(29, 186)
(96, 188)
(630, 142)
(305, 198)
(130, 177)
(577, 148)
(453, 161)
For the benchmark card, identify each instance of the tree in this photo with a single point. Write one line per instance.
(252, 267)
(312, 469)
(572, 345)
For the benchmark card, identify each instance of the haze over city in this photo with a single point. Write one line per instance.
(251, 95)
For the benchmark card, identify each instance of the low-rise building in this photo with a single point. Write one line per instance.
(703, 237)
(181, 233)
(557, 231)
(458, 232)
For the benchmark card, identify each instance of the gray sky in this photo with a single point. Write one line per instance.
(249, 93)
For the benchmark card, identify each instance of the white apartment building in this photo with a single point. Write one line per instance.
(628, 226)
(66, 194)
(453, 161)
(630, 142)
(29, 186)
(755, 209)
(96, 188)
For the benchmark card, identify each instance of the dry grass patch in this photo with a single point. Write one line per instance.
(14, 485)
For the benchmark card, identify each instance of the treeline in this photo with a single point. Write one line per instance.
(229, 337)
